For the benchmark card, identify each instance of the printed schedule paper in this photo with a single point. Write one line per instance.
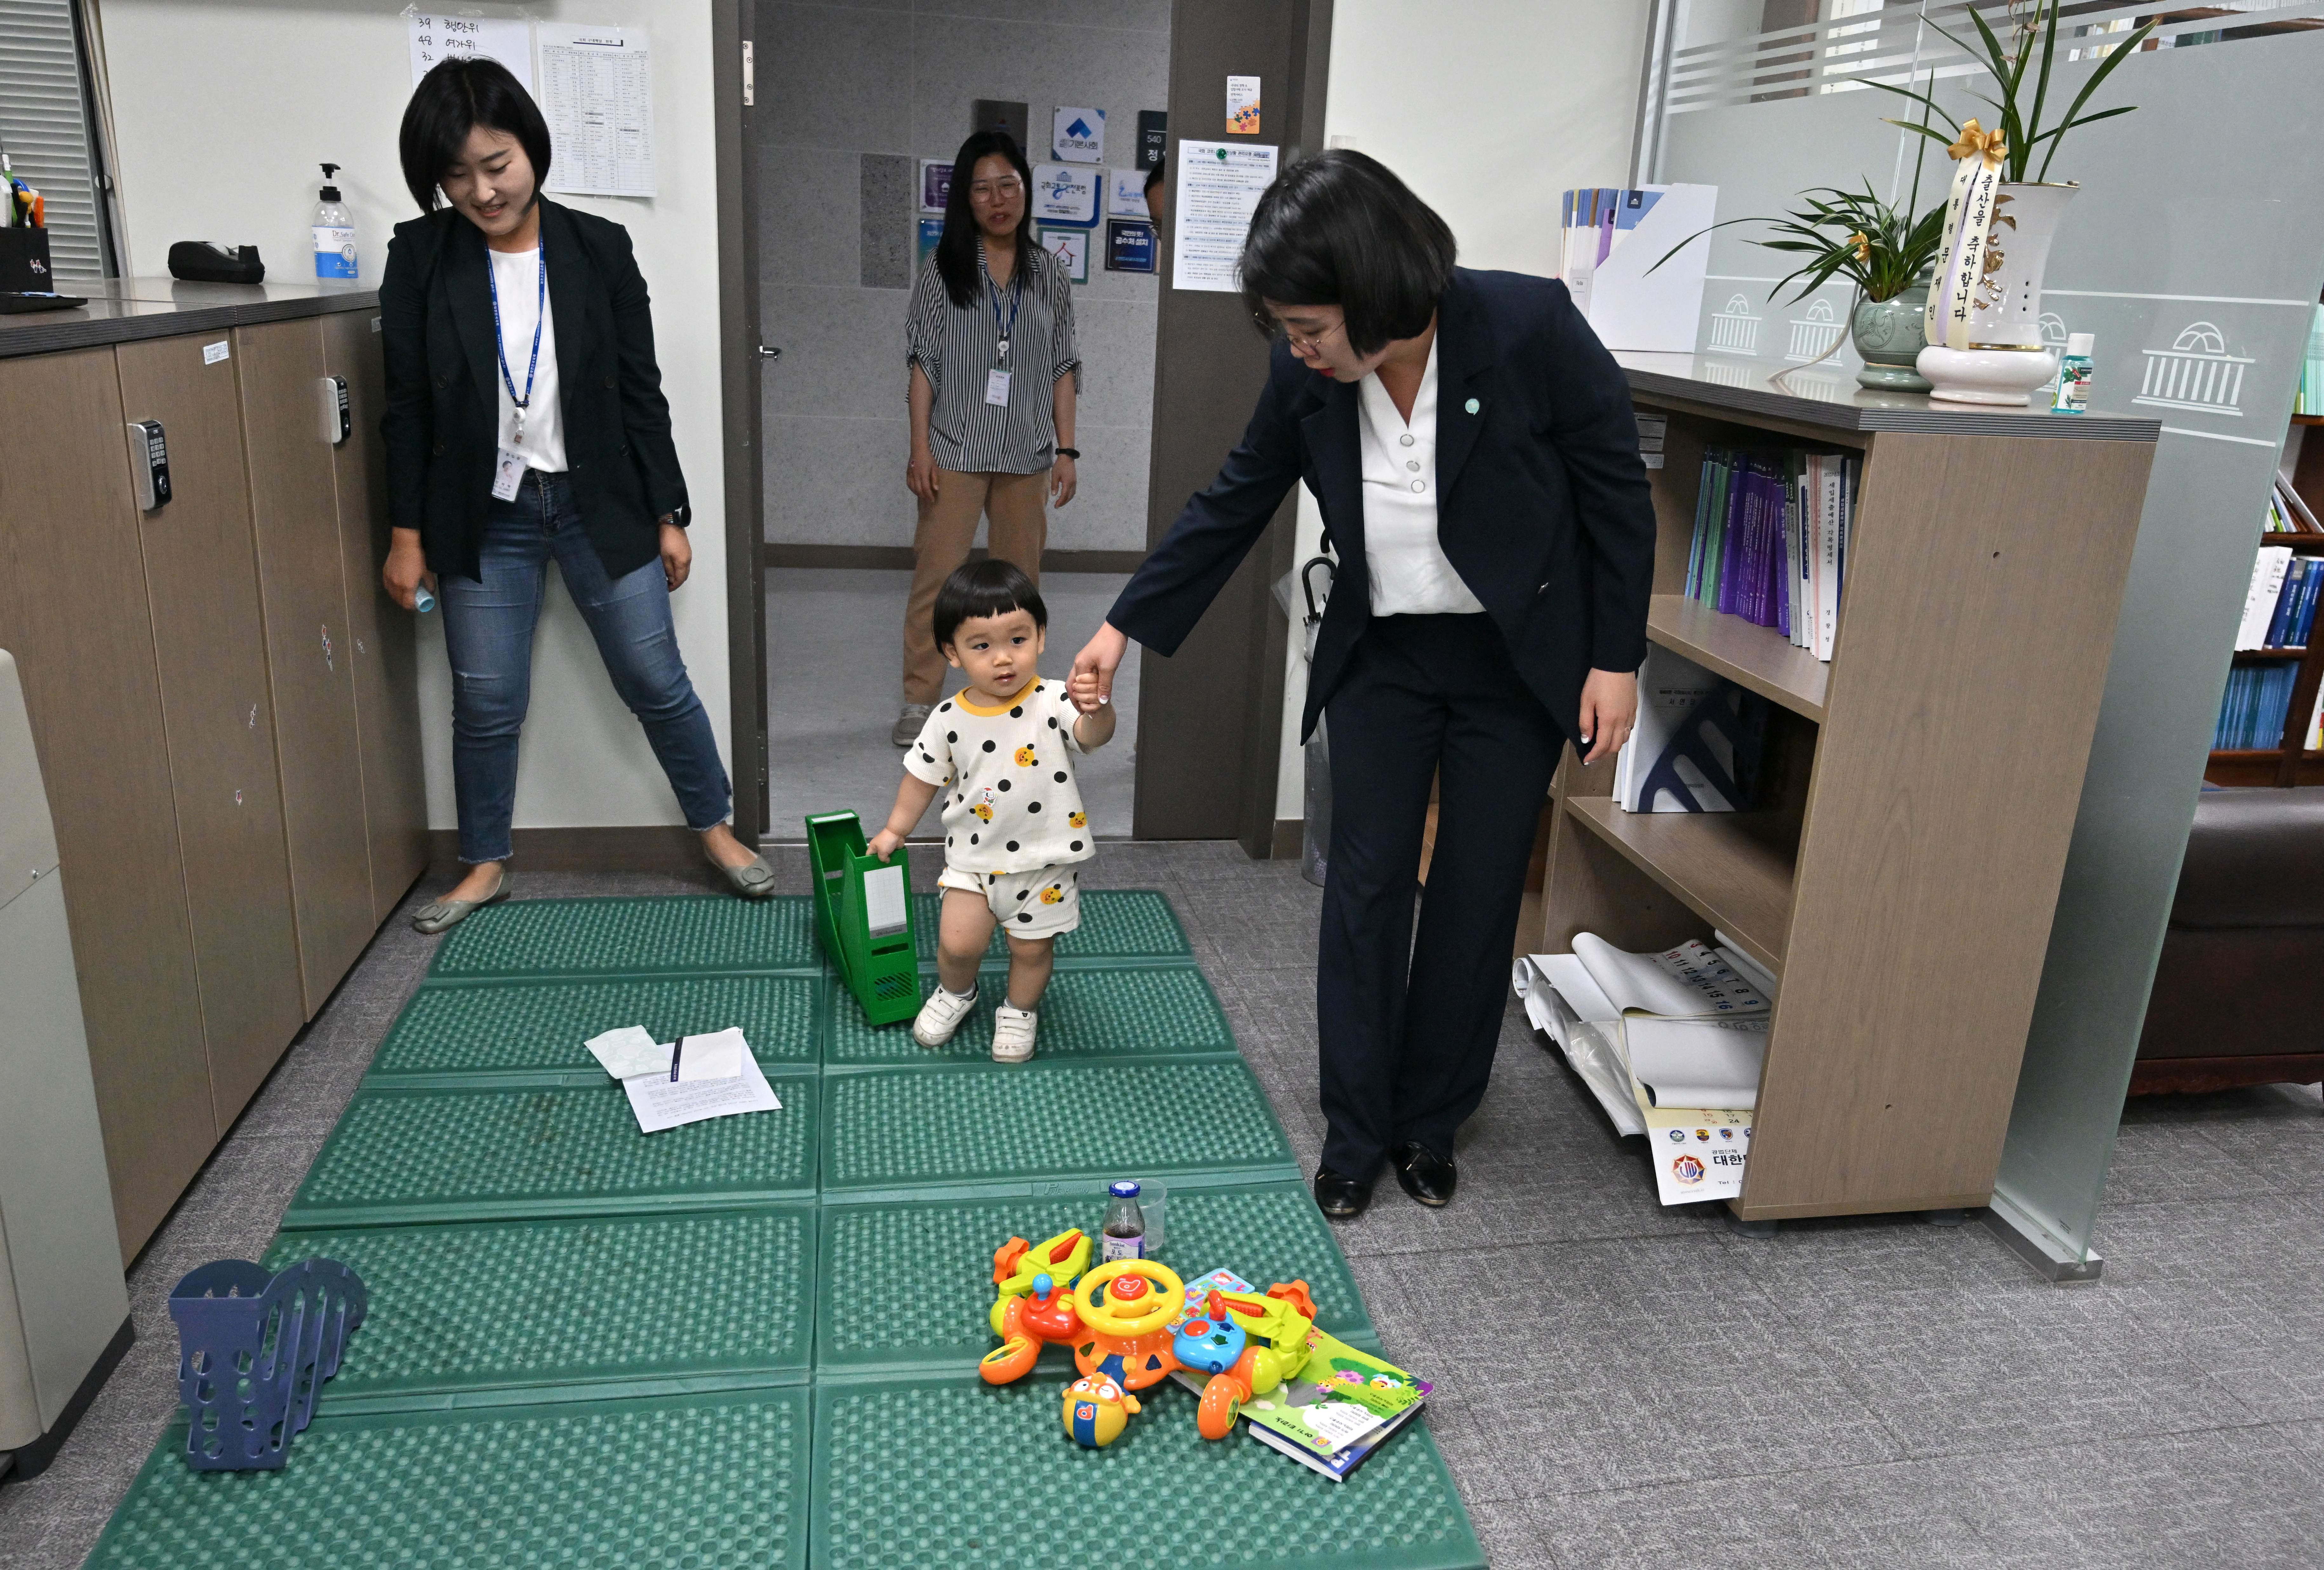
(1219, 186)
(596, 93)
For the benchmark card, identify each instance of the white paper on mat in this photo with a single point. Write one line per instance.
(660, 1104)
(630, 1050)
(716, 1056)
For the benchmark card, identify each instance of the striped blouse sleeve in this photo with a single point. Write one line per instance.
(1065, 354)
(924, 325)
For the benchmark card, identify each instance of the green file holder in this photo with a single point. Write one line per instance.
(863, 917)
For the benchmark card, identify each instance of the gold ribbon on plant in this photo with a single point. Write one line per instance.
(1992, 145)
(1969, 225)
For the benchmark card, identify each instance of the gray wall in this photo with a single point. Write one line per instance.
(843, 90)
(2194, 210)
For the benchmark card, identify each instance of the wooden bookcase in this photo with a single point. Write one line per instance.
(1901, 878)
(2288, 762)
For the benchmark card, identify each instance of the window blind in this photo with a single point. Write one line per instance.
(45, 127)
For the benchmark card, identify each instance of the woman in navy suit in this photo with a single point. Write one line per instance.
(1472, 447)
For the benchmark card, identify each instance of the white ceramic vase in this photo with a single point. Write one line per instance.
(2006, 359)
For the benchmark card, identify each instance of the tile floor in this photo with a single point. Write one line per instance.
(833, 649)
(1619, 1384)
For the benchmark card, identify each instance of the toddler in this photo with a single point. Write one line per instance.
(999, 749)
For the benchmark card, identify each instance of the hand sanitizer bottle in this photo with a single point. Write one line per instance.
(2073, 396)
(335, 231)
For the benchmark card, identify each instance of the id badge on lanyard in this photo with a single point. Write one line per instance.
(508, 474)
(996, 381)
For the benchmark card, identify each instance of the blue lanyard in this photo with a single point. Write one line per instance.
(500, 349)
(1016, 298)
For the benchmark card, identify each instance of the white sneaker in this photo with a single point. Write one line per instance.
(1012, 1034)
(941, 1015)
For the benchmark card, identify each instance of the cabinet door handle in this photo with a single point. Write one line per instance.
(149, 465)
(338, 419)
(768, 353)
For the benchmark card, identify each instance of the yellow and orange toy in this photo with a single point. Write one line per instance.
(1036, 1303)
(1122, 1321)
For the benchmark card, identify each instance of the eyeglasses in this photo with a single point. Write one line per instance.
(988, 191)
(1299, 344)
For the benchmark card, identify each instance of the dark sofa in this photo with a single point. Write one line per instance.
(2238, 998)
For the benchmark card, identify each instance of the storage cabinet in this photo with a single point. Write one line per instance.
(310, 651)
(73, 613)
(386, 656)
(223, 705)
(201, 590)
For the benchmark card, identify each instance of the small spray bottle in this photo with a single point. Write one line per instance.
(2073, 394)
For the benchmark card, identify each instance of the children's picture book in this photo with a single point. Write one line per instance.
(1343, 1406)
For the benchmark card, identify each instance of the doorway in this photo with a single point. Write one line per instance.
(852, 103)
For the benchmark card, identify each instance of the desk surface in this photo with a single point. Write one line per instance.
(120, 310)
(1828, 396)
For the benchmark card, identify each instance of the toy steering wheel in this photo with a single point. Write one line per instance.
(1114, 1318)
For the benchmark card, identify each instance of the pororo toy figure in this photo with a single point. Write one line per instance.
(1097, 1410)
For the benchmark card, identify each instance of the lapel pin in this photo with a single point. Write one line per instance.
(1472, 406)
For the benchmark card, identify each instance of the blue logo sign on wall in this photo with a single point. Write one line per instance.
(1129, 245)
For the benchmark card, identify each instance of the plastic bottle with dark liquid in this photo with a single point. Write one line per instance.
(1122, 1236)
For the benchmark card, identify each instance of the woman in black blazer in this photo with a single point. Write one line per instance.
(525, 422)
(1472, 447)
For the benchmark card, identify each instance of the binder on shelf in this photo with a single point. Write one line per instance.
(863, 917)
(1610, 242)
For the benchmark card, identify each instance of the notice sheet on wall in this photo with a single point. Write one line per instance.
(1219, 186)
(437, 36)
(596, 92)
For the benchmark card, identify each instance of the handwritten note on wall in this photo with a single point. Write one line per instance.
(437, 36)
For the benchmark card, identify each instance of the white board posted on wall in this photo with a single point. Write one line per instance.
(596, 93)
(437, 36)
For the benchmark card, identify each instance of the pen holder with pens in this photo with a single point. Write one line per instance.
(863, 917)
(24, 261)
(255, 1348)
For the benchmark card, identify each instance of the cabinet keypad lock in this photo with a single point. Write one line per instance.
(338, 421)
(149, 465)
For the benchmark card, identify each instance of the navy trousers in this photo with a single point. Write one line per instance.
(1407, 1028)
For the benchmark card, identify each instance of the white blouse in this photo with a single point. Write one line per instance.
(1410, 575)
(516, 277)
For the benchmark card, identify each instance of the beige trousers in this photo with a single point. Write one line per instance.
(947, 528)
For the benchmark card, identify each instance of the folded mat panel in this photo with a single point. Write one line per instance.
(500, 1310)
(696, 1480)
(433, 1153)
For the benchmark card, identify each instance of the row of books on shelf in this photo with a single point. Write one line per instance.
(2252, 713)
(1771, 533)
(2309, 399)
(2279, 606)
(2287, 514)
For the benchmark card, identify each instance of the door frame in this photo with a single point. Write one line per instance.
(733, 32)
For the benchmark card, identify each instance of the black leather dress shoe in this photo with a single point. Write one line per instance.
(1340, 1197)
(1426, 1175)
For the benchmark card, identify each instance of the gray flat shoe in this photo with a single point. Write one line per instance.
(443, 914)
(753, 880)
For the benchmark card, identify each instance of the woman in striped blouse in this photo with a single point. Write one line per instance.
(989, 341)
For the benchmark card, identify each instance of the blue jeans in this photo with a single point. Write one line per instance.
(488, 626)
